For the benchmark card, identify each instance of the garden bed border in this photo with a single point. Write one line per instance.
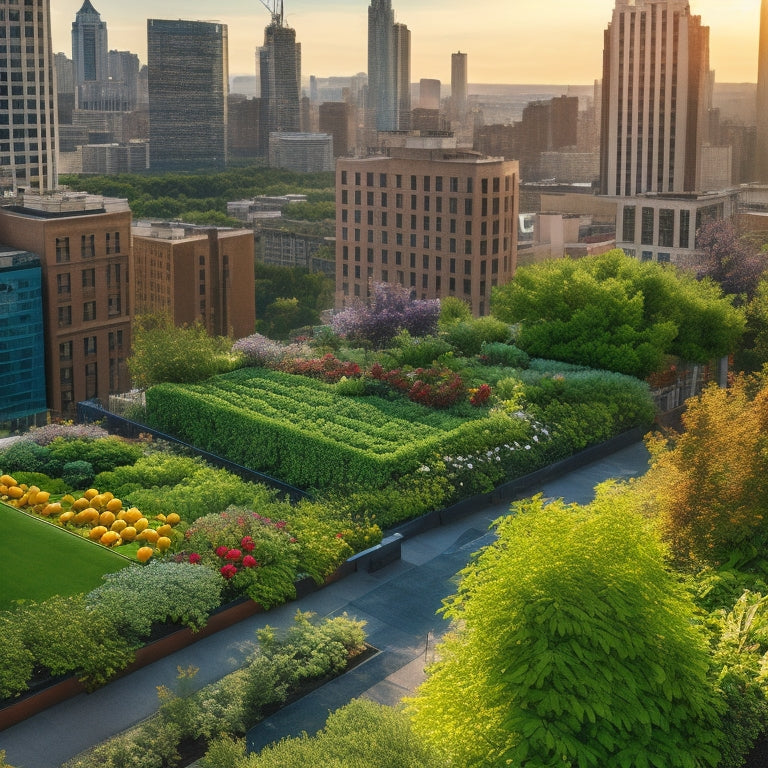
(372, 559)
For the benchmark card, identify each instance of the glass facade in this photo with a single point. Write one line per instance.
(22, 362)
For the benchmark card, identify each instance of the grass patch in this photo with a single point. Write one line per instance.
(38, 560)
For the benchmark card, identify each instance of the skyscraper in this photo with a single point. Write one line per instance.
(280, 74)
(28, 157)
(188, 73)
(402, 42)
(762, 97)
(89, 45)
(655, 98)
(382, 99)
(459, 85)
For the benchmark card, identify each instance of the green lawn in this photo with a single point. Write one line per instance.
(38, 560)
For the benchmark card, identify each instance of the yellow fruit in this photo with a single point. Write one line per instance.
(132, 515)
(3, 490)
(107, 518)
(22, 502)
(143, 554)
(15, 492)
(164, 530)
(118, 525)
(41, 497)
(52, 509)
(98, 501)
(80, 504)
(8, 480)
(141, 524)
(65, 517)
(32, 495)
(160, 517)
(97, 532)
(148, 534)
(173, 519)
(109, 538)
(67, 498)
(128, 533)
(108, 496)
(87, 516)
(114, 505)
(90, 493)
(163, 543)
(121, 514)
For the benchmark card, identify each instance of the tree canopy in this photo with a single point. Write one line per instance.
(614, 312)
(572, 646)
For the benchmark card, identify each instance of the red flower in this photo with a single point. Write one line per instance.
(234, 554)
(194, 558)
(250, 562)
(228, 571)
(222, 551)
(248, 544)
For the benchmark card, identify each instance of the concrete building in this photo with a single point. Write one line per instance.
(340, 120)
(195, 273)
(762, 97)
(28, 124)
(89, 46)
(459, 86)
(244, 127)
(280, 72)
(429, 93)
(22, 341)
(655, 98)
(84, 244)
(301, 152)
(663, 227)
(402, 41)
(188, 88)
(286, 248)
(440, 221)
(65, 88)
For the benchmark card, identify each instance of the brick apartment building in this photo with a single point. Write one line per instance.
(84, 244)
(427, 216)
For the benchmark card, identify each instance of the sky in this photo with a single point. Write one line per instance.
(507, 41)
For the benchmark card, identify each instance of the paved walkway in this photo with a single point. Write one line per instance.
(399, 604)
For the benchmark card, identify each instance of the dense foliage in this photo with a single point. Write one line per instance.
(573, 645)
(614, 312)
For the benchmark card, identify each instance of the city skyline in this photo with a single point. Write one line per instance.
(569, 52)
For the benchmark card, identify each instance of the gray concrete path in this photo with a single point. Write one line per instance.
(399, 604)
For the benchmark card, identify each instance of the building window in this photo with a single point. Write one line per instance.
(87, 246)
(468, 247)
(666, 227)
(451, 284)
(647, 256)
(89, 345)
(65, 376)
(109, 242)
(628, 224)
(89, 278)
(65, 351)
(385, 275)
(63, 285)
(467, 287)
(685, 229)
(646, 232)
(62, 250)
(65, 316)
(89, 310)
(343, 177)
(454, 184)
(663, 258)
(115, 340)
(91, 381)
(468, 206)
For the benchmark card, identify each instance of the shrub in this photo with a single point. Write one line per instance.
(498, 353)
(433, 387)
(78, 474)
(411, 352)
(468, 336)
(134, 599)
(104, 454)
(25, 455)
(48, 433)
(56, 486)
(453, 310)
(16, 660)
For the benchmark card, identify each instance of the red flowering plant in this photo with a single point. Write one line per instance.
(327, 368)
(480, 395)
(435, 387)
(257, 556)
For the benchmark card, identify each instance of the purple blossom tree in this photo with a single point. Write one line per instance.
(389, 311)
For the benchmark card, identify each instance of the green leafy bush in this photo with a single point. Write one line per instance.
(78, 474)
(468, 336)
(498, 353)
(416, 352)
(104, 454)
(26, 456)
(17, 662)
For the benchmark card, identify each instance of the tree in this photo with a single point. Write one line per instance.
(753, 351)
(708, 486)
(390, 310)
(614, 312)
(572, 645)
(729, 260)
(162, 352)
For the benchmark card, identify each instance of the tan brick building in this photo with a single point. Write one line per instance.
(439, 221)
(195, 272)
(84, 245)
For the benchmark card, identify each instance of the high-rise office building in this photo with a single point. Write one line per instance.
(402, 41)
(188, 88)
(28, 131)
(437, 220)
(762, 97)
(338, 119)
(459, 92)
(429, 93)
(89, 45)
(655, 98)
(280, 75)
(382, 98)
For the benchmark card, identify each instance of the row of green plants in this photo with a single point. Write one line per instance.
(279, 666)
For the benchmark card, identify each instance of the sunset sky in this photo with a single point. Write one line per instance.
(507, 41)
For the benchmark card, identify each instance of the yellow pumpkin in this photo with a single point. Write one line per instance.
(41, 497)
(97, 532)
(173, 519)
(143, 554)
(15, 491)
(114, 505)
(118, 525)
(148, 534)
(65, 517)
(164, 530)
(128, 533)
(80, 504)
(132, 515)
(8, 480)
(109, 538)
(67, 498)
(90, 493)
(160, 517)
(52, 509)
(107, 518)
(141, 524)
(32, 495)
(163, 543)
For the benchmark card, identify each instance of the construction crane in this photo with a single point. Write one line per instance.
(277, 15)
